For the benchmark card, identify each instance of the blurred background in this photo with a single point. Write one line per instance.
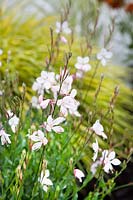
(82, 18)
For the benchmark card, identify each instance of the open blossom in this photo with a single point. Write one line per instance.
(63, 27)
(108, 159)
(69, 104)
(98, 129)
(13, 122)
(43, 103)
(66, 85)
(79, 174)
(104, 56)
(45, 181)
(39, 138)
(4, 137)
(44, 82)
(83, 64)
(52, 124)
(95, 147)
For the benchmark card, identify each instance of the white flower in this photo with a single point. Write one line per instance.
(69, 104)
(63, 27)
(82, 64)
(108, 159)
(79, 174)
(1, 51)
(0, 64)
(43, 103)
(45, 181)
(66, 85)
(38, 137)
(52, 124)
(95, 147)
(4, 137)
(34, 102)
(98, 129)
(104, 56)
(13, 122)
(44, 82)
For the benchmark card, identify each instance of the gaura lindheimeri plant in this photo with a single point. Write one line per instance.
(69, 142)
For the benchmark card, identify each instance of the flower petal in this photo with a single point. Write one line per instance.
(116, 161)
(111, 155)
(58, 129)
(36, 146)
(44, 103)
(47, 181)
(50, 119)
(58, 120)
(79, 174)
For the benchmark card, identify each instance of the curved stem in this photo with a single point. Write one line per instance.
(92, 77)
(123, 186)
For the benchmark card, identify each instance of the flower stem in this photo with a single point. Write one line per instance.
(40, 163)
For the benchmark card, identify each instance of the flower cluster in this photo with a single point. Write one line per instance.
(45, 82)
(108, 157)
(49, 82)
(60, 87)
(13, 122)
